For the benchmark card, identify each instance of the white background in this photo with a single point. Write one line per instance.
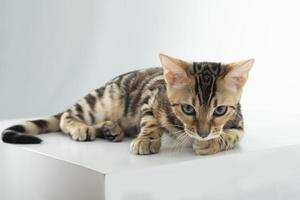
(54, 52)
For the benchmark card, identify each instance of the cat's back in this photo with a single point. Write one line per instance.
(138, 79)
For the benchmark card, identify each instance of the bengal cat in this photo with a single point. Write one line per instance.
(199, 100)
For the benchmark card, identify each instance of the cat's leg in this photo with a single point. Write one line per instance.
(148, 140)
(81, 131)
(226, 141)
(76, 128)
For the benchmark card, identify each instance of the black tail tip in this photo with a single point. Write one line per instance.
(14, 137)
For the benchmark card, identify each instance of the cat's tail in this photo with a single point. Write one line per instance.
(23, 133)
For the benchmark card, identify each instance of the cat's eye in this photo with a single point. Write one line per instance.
(220, 110)
(188, 109)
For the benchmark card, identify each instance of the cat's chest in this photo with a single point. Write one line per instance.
(130, 124)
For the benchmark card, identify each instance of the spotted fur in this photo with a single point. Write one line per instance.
(147, 103)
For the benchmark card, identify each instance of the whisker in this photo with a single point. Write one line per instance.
(181, 143)
(174, 140)
(181, 140)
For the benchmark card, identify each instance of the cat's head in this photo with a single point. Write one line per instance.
(204, 95)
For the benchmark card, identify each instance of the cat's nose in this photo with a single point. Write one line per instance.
(203, 134)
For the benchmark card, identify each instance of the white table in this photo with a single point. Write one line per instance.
(266, 165)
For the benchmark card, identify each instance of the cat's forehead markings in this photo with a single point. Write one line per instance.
(205, 80)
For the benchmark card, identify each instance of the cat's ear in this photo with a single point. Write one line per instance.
(237, 74)
(175, 71)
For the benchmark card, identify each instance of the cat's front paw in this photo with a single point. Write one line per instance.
(145, 146)
(206, 147)
(109, 130)
(83, 133)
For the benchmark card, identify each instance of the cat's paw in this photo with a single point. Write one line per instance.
(145, 146)
(110, 131)
(206, 147)
(83, 133)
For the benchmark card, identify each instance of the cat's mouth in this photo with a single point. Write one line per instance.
(197, 137)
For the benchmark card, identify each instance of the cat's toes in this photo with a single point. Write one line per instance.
(206, 147)
(83, 133)
(145, 146)
(111, 131)
(114, 134)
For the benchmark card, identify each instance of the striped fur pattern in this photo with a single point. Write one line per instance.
(179, 99)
